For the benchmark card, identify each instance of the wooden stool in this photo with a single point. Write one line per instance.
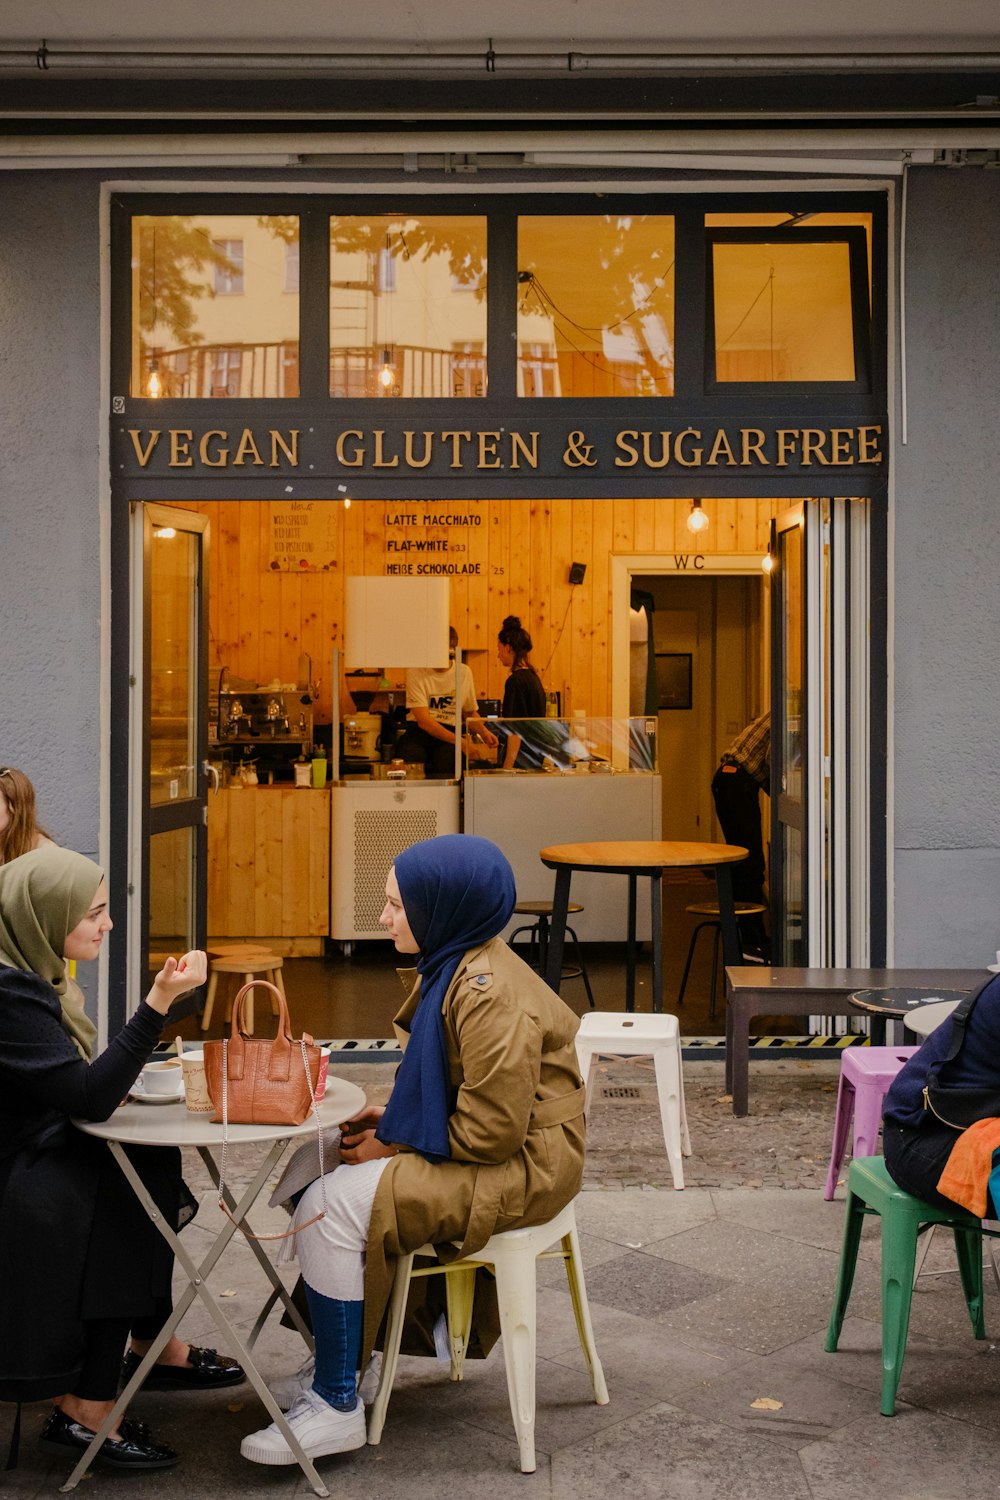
(710, 911)
(249, 964)
(539, 929)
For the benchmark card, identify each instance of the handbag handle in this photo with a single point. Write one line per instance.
(239, 1006)
(280, 1063)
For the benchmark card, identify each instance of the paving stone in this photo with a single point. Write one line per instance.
(651, 1216)
(637, 1280)
(915, 1455)
(668, 1454)
(858, 1358)
(730, 1250)
(810, 1406)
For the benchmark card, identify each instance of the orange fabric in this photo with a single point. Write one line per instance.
(967, 1173)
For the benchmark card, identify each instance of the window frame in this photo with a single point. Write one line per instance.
(695, 396)
(861, 302)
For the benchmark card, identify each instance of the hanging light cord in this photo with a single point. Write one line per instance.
(559, 634)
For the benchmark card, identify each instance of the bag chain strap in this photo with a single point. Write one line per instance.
(225, 1146)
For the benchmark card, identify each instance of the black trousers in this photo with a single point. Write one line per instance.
(915, 1157)
(103, 1346)
(419, 748)
(737, 803)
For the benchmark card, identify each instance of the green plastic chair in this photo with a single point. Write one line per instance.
(870, 1190)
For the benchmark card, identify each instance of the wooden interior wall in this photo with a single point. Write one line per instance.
(261, 620)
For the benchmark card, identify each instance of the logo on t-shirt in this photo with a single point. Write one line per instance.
(442, 700)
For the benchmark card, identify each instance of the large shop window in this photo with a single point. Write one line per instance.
(407, 306)
(788, 306)
(595, 311)
(215, 311)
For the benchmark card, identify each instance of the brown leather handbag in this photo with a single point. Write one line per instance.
(262, 1080)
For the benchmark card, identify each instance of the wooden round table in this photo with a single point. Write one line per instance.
(635, 858)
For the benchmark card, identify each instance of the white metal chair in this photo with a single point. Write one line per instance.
(512, 1256)
(612, 1033)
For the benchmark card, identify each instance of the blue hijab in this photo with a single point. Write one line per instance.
(457, 893)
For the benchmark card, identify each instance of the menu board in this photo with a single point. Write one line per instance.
(303, 536)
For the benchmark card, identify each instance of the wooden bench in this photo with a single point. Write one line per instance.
(758, 990)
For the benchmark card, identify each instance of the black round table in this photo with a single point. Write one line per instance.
(897, 1003)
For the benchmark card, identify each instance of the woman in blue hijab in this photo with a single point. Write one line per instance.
(483, 1131)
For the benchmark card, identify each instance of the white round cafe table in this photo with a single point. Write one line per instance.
(174, 1125)
(927, 1018)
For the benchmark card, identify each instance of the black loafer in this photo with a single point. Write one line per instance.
(135, 1448)
(205, 1370)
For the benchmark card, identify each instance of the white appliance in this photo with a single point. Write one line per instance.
(361, 734)
(372, 822)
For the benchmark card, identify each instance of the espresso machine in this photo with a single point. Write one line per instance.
(269, 726)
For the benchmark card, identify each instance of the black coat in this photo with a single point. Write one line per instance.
(74, 1241)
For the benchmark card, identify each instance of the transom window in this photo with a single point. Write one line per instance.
(599, 301)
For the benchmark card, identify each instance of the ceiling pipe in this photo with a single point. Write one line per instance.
(48, 59)
(293, 146)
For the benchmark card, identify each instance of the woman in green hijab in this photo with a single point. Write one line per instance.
(79, 1261)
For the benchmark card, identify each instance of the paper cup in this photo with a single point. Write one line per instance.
(324, 1063)
(162, 1077)
(196, 1095)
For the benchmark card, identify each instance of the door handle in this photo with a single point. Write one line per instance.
(211, 771)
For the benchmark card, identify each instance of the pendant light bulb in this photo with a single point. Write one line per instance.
(153, 385)
(697, 520)
(387, 374)
(767, 563)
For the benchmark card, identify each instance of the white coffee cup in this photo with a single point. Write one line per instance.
(162, 1077)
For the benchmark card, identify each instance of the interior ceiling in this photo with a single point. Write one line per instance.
(687, 25)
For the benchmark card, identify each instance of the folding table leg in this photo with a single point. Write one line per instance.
(197, 1287)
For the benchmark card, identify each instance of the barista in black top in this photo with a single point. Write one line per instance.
(523, 694)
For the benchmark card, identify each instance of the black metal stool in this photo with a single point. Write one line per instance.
(710, 911)
(539, 929)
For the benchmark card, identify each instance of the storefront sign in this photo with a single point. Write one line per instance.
(547, 449)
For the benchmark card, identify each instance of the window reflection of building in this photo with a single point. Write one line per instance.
(215, 304)
(229, 274)
(412, 289)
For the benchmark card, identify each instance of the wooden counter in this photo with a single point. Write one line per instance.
(269, 863)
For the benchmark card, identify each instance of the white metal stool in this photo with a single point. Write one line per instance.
(614, 1034)
(250, 963)
(512, 1256)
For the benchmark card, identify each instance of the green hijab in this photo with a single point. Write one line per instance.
(43, 896)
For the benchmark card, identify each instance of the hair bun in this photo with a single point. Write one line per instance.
(512, 622)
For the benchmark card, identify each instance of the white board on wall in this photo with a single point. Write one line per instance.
(396, 622)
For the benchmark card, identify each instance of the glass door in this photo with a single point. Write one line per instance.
(169, 736)
(789, 890)
(820, 692)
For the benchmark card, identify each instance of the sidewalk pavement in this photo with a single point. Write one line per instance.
(709, 1308)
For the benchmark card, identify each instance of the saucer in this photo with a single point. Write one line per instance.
(139, 1096)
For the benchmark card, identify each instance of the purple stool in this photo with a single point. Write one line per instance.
(865, 1076)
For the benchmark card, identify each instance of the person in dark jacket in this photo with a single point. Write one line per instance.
(80, 1262)
(916, 1143)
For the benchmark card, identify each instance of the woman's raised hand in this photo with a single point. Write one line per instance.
(177, 978)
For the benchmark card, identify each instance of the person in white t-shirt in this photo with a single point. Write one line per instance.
(429, 736)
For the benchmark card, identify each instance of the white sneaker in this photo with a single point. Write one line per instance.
(287, 1389)
(319, 1428)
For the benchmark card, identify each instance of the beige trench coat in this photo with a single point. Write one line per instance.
(516, 1133)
